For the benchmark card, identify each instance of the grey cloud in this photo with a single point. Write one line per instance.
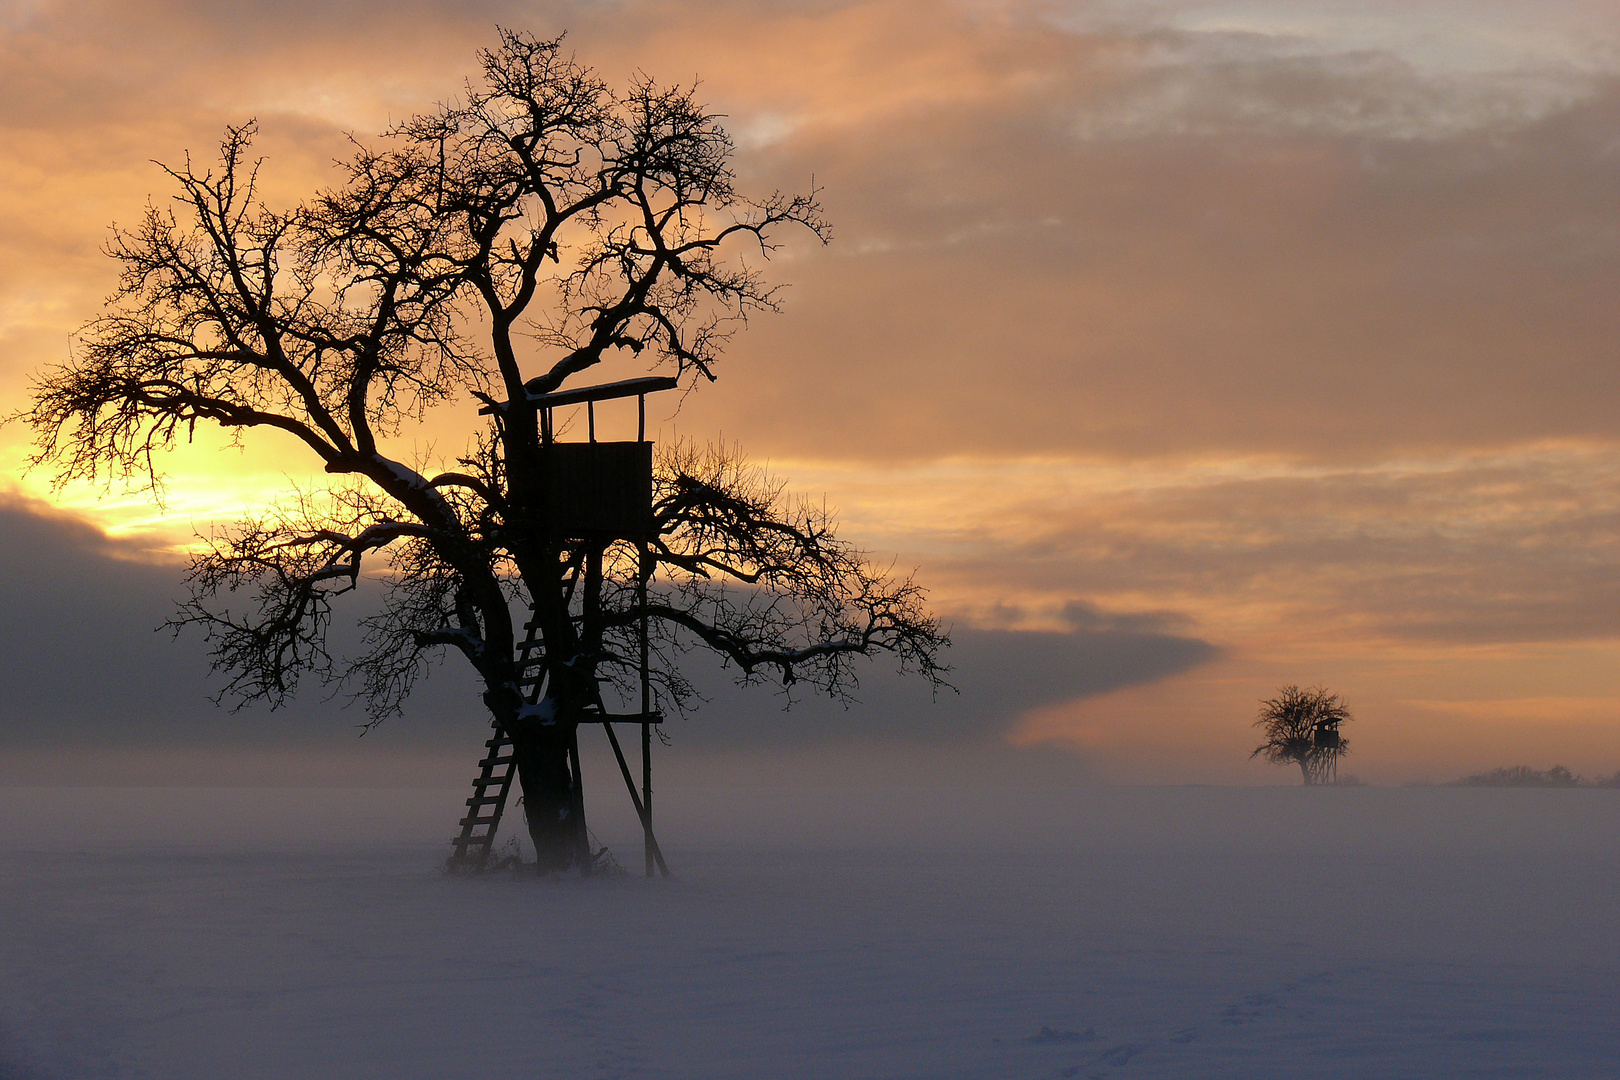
(83, 665)
(1224, 83)
(83, 661)
(1082, 617)
(999, 676)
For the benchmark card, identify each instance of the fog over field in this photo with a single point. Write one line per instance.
(812, 932)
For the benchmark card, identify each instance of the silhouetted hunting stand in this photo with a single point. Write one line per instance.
(1301, 727)
(1328, 746)
(597, 493)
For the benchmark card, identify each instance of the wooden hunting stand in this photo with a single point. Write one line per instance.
(1327, 745)
(597, 494)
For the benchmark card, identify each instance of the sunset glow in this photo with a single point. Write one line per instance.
(1288, 328)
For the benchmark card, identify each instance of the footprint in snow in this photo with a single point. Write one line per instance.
(1260, 1006)
(1122, 1054)
(1048, 1036)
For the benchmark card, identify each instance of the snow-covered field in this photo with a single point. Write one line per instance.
(1087, 932)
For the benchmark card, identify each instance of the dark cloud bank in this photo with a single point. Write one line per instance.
(998, 676)
(85, 670)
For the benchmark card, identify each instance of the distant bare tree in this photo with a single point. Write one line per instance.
(491, 249)
(1302, 727)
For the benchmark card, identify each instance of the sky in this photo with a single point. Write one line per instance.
(1185, 349)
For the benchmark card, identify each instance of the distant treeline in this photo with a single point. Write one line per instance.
(1525, 776)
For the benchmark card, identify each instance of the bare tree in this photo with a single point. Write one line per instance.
(1302, 727)
(495, 249)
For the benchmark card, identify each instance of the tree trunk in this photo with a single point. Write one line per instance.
(1304, 771)
(552, 807)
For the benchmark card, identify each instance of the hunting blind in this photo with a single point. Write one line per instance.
(596, 494)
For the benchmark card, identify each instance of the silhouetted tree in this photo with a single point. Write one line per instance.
(1302, 727)
(494, 249)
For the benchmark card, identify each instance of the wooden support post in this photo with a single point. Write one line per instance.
(647, 842)
(577, 802)
(590, 418)
(654, 853)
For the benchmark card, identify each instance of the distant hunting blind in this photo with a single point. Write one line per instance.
(596, 494)
(1327, 745)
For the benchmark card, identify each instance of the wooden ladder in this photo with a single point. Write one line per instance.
(496, 771)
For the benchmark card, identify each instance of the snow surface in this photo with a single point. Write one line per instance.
(1089, 932)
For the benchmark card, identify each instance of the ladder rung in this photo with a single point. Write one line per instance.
(473, 822)
(621, 718)
(485, 800)
(493, 762)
